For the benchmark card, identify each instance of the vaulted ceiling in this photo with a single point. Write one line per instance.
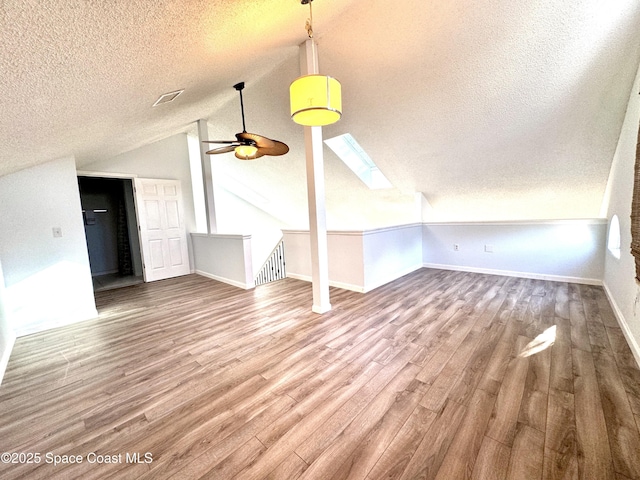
(492, 109)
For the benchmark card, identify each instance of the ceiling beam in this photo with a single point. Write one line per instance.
(207, 178)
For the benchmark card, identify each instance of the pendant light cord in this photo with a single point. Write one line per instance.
(309, 24)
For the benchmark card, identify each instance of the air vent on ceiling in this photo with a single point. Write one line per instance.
(168, 97)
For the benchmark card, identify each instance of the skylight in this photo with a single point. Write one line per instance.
(353, 155)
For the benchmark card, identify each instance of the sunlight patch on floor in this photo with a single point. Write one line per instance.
(540, 343)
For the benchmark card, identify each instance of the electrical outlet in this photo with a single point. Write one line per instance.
(488, 248)
(57, 232)
(456, 247)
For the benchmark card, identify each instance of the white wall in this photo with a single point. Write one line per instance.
(619, 273)
(235, 215)
(564, 250)
(164, 159)
(170, 159)
(226, 258)
(345, 251)
(390, 253)
(7, 335)
(358, 260)
(47, 279)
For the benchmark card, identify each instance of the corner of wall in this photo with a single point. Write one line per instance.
(36, 263)
(6, 354)
(225, 258)
(7, 334)
(620, 286)
(624, 325)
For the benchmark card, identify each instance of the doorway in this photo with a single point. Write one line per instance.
(108, 211)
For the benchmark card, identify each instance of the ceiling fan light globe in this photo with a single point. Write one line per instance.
(246, 151)
(316, 100)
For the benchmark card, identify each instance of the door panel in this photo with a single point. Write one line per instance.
(157, 254)
(163, 238)
(173, 214)
(154, 221)
(175, 251)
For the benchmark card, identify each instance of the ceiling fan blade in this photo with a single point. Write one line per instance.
(229, 148)
(263, 145)
(255, 139)
(258, 154)
(278, 148)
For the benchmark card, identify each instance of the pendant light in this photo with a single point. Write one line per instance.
(316, 100)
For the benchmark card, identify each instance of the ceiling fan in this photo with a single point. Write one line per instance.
(248, 146)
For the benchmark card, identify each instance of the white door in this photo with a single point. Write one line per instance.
(163, 239)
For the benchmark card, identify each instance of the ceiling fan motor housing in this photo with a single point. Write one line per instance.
(248, 146)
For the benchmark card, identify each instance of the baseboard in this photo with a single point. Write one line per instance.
(509, 273)
(624, 326)
(396, 276)
(69, 319)
(320, 309)
(106, 272)
(4, 361)
(228, 281)
(358, 288)
(344, 286)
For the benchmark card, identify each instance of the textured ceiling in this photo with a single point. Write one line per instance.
(493, 109)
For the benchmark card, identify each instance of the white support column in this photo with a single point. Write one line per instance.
(315, 193)
(207, 178)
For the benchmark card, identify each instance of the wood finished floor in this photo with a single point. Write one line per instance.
(445, 375)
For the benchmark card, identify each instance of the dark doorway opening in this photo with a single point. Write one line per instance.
(110, 225)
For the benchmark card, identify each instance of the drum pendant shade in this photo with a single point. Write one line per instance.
(316, 100)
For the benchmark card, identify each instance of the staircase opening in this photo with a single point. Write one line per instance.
(274, 268)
